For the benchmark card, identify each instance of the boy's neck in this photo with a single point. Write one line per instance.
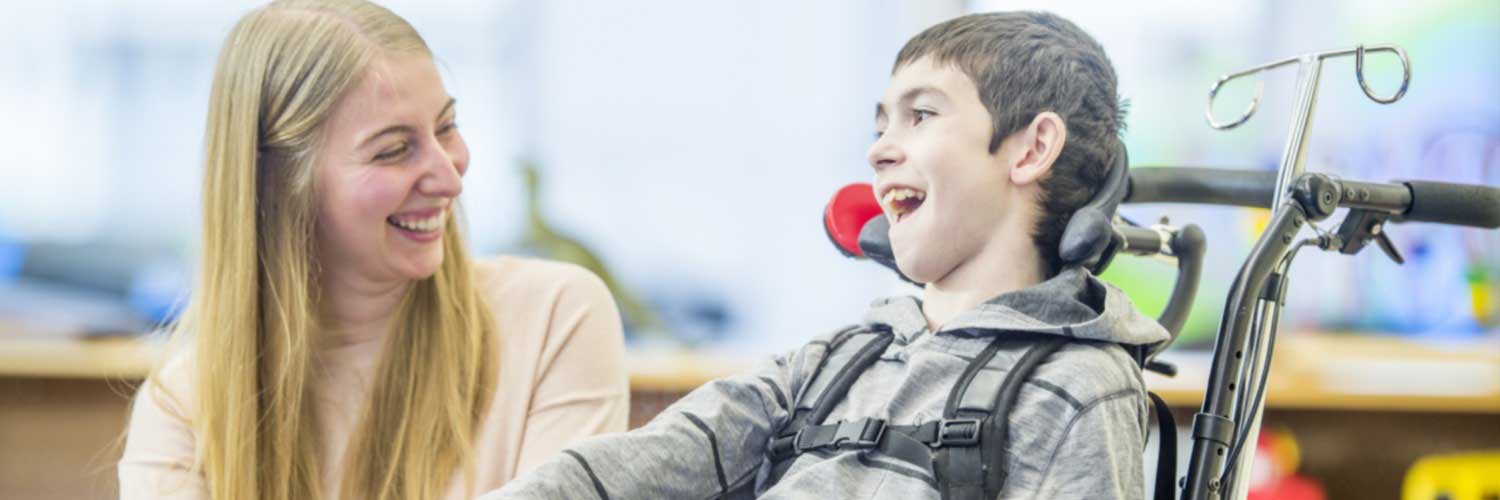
(994, 271)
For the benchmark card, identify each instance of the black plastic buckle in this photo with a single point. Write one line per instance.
(782, 447)
(958, 432)
(859, 434)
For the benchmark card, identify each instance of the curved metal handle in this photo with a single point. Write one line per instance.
(1311, 58)
(1359, 71)
(1260, 89)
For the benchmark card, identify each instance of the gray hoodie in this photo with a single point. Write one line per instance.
(1077, 429)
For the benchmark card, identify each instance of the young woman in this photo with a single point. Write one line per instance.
(340, 342)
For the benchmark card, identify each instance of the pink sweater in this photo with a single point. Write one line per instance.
(561, 378)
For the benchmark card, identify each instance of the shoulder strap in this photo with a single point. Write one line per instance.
(848, 355)
(1166, 449)
(978, 472)
(966, 448)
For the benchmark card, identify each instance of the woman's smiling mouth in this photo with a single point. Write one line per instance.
(422, 226)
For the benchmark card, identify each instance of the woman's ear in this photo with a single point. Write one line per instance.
(1039, 145)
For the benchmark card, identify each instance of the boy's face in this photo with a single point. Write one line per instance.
(945, 194)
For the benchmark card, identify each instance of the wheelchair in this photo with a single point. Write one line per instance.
(1224, 428)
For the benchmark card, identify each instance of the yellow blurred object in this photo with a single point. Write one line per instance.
(1483, 302)
(1458, 476)
(1258, 219)
(1284, 448)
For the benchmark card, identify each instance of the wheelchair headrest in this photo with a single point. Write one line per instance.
(1089, 238)
(854, 222)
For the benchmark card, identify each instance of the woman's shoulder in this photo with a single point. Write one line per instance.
(509, 280)
(546, 310)
(163, 409)
(171, 386)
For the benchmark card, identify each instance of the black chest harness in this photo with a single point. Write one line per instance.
(965, 449)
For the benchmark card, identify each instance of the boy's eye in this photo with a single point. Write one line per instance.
(391, 153)
(445, 129)
(918, 115)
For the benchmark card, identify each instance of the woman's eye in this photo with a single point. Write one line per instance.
(391, 153)
(445, 129)
(921, 114)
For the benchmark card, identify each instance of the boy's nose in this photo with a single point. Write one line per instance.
(884, 154)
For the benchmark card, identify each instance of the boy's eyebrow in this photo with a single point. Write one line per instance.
(909, 95)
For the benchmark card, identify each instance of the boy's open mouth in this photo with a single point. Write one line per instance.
(901, 202)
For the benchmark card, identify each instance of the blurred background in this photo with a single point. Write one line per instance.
(685, 149)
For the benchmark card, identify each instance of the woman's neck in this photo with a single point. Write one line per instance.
(356, 310)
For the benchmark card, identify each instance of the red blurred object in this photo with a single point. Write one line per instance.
(1289, 488)
(851, 207)
(1277, 457)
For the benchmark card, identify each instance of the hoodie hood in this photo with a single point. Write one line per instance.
(1074, 304)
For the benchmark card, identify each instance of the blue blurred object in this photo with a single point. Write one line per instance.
(12, 254)
(159, 291)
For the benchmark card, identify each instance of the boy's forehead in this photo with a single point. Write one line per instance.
(925, 74)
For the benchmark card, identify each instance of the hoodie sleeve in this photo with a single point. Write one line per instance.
(1099, 455)
(709, 443)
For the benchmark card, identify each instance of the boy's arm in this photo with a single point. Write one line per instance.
(1099, 455)
(709, 442)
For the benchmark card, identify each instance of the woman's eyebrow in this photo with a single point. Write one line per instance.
(405, 128)
(388, 130)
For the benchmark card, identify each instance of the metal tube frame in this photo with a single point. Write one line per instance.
(1249, 307)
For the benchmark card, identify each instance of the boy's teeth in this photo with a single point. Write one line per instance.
(902, 194)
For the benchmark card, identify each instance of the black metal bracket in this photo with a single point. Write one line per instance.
(1362, 226)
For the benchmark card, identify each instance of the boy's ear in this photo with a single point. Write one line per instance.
(1039, 145)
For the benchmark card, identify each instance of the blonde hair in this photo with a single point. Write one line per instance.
(254, 317)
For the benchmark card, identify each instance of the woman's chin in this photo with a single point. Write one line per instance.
(420, 267)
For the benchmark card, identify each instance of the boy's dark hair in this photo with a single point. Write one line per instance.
(1026, 63)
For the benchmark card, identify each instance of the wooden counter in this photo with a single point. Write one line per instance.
(1311, 371)
(63, 404)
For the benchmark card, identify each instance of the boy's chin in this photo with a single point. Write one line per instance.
(919, 268)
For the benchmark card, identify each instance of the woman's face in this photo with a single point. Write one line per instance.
(389, 169)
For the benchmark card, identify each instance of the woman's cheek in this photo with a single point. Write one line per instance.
(383, 191)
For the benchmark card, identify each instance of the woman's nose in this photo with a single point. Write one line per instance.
(443, 177)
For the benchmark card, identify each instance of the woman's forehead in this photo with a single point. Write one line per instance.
(392, 91)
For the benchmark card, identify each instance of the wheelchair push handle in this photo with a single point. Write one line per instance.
(1471, 205)
(1197, 185)
(1458, 204)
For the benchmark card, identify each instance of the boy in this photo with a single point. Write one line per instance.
(994, 130)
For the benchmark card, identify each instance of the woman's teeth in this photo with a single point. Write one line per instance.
(902, 201)
(421, 225)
